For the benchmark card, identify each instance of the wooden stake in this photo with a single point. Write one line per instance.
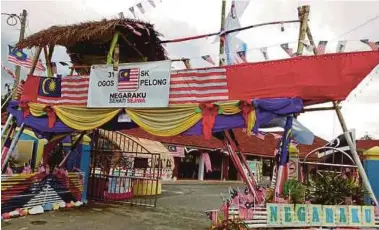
(113, 45)
(303, 13)
(116, 57)
(35, 60)
(134, 48)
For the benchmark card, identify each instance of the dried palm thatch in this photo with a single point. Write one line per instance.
(88, 43)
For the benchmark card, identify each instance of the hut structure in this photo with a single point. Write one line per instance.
(99, 42)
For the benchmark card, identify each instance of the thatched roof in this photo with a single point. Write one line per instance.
(88, 43)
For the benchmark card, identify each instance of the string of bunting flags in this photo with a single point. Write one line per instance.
(18, 57)
(141, 6)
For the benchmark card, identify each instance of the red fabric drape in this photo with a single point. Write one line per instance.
(314, 79)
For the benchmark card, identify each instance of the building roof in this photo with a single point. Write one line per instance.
(366, 144)
(249, 145)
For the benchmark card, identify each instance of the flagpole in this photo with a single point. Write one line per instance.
(222, 37)
(22, 35)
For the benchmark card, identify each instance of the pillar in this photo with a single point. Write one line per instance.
(371, 165)
(85, 150)
(200, 175)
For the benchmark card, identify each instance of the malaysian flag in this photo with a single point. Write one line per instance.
(70, 90)
(128, 79)
(288, 50)
(176, 151)
(208, 58)
(321, 47)
(341, 45)
(9, 71)
(373, 45)
(152, 3)
(17, 57)
(207, 162)
(282, 173)
(264, 52)
(140, 7)
(131, 9)
(197, 86)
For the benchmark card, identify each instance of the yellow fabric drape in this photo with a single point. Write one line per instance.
(169, 121)
(229, 108)
(252, 118)
(37, 109)
(81, 118)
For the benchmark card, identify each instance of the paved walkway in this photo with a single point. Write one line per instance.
(181, 206)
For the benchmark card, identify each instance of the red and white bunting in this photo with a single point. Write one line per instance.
(152, 3)
(264, 53)
(140, 7)
(207, 162)
(9, 71)
(288, 50)
(321, 47)
(341, 45)
(131, 9)
(208, 58)
(373, 45)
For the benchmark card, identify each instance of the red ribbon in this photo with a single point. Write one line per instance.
(246, 108)
(209, 112)
(51, 115)
(23, 105)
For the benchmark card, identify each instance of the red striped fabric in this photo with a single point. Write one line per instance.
(207, 162)
(197, 86)
(74, 91)
(28, 63)
(9, 71)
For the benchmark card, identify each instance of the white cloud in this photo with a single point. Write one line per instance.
(178, 18)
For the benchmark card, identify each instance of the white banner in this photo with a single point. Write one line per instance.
(134, 85)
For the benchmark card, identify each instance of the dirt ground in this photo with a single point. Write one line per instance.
(181, 206)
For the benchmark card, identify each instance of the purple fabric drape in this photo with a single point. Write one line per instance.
(268, 109)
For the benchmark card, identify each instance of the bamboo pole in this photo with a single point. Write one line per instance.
(349, 140)
(12, 146)
(116, 58)
(303, 13)
(134, 48)
(112, 47)
(48, 63)
(222, 37)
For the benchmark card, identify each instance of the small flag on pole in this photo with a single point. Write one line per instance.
(287, 49)
(140, 7)
(9, 71)
(242, 56)
(187, 63)
(264, 52)
(152, 3)
(131, 9)
(373, 45)
(207, 162)
(341, 45)
(321, 47)
(208, 58)
(18, 57)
